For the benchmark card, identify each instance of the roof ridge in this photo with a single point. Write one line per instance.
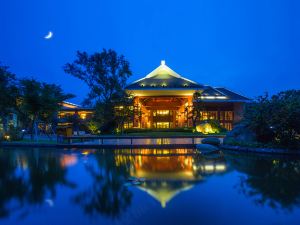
(160, 68)
(234, 92)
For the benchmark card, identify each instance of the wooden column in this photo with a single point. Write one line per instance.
(190, 105)
(136, 112)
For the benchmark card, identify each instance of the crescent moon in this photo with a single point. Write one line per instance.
(49, 35)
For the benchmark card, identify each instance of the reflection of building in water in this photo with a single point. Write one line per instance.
(169, 172)
(164, 191)
(67, 160)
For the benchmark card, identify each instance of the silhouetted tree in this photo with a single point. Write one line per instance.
(276, 119)
(40, 102)
(106, 74)
(194, 111)
(8, 95)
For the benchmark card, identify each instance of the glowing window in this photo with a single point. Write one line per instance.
(162, 125)
(162, 112)
(83, 116)
(226, 115)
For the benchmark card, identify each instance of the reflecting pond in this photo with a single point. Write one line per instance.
(146, 186)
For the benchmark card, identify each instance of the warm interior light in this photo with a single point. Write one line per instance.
(213, 97)
(220, 167)
(83, 116)
(6, 137)
(85, 153)
(209, 167)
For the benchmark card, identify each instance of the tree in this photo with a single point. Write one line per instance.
(106, 74)
(196, 111)
(276, 119)
(40, 102)
(285, 119)
(124, 110)
(257, 117)
(8, 95)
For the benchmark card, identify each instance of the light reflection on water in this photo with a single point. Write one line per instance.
(148, 141)
(134, 186)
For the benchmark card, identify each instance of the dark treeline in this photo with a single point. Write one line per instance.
(25, 103)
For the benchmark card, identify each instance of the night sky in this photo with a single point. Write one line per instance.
(248, 46)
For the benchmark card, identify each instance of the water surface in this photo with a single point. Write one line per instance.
(179, 186)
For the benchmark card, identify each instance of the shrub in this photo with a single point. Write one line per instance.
(276, 119)
(93, 127)
(210, 127)
(13, 134)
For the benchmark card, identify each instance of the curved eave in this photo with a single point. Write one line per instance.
(162, 92)
(161, 88)
(227, 100)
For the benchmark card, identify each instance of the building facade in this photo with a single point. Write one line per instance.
(164, 99)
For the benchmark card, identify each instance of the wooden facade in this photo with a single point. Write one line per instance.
(164, 99)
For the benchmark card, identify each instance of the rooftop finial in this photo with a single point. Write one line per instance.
(162, 62)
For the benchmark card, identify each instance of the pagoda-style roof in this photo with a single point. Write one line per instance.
(164, 191)
(163, 81)
(163, 77)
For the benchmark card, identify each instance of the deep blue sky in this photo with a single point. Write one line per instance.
(249, 46)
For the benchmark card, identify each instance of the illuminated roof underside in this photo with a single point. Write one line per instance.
(163, 81)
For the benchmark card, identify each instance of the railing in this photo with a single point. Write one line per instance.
(133, 140)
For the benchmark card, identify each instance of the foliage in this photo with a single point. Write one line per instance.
(106, 74)
(15, 133)
(93, 127)
(40, 102)
(8, 95)
(194, 111)
(276, 119)
(215, 124)
(124, 111)
(210, 126)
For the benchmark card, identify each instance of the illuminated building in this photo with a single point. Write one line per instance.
(167, 173)
(163, 99)
(69, 113)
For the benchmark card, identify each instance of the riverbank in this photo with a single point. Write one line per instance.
(84, 146)
(115, 141)
(260, 150)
